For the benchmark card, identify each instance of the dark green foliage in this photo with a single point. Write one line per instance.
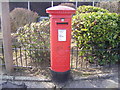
(98, 32)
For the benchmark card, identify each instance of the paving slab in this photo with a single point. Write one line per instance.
(80, 84)
(5, 77)
(31, 84)
(36, 84)
(106, 80)
(110, 83)
(25, 78)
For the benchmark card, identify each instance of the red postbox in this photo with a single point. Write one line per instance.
(60, 40)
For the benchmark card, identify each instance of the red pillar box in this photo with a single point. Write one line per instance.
(60, 39)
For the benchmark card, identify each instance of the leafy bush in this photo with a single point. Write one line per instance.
(20, 17)
(35, 38)
(88, 9)
(97, 30)
(113, 6)
(67, 4)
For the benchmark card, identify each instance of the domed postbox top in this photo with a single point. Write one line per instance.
(60, 10)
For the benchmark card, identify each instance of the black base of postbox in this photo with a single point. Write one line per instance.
(60, 77)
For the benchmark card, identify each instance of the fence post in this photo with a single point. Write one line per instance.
(28, 5)
(76, 4)
(93, 3)
(51, 3)
(6, 31)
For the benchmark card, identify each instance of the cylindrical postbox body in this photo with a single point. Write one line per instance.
(60, 38)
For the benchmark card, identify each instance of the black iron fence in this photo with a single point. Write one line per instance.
(40, 7)
(23, 58)
(96, 58)
(89, 59)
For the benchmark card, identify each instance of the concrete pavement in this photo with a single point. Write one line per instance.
(98, 81)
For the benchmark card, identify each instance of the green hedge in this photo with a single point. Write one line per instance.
(88, 9)
(97, 30)
(35, 38)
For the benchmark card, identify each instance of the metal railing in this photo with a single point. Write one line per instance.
(22, 59)
(79, 61)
